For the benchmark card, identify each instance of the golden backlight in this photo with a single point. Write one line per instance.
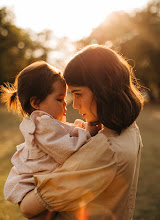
(72, 18)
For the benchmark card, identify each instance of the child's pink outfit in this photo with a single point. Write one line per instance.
(48, 143)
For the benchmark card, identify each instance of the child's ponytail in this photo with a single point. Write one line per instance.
(9, 97)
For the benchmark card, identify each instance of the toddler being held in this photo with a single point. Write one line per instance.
(38, 93)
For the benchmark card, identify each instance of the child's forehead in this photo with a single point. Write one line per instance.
(59, 84)
(59, 87)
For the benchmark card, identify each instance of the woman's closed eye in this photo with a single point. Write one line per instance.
(77, 94)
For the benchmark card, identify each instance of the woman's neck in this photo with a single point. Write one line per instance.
(109, 131)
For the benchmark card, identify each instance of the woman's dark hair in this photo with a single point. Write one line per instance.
(36, 80)
(112, 81)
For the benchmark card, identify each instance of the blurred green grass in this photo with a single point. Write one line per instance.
(148, 195)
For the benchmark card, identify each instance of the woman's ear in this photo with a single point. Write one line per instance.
(34, 102)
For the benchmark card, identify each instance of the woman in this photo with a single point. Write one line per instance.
(100, 180)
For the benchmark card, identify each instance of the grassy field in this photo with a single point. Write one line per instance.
(148, 196)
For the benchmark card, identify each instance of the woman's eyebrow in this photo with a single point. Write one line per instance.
(75, 90)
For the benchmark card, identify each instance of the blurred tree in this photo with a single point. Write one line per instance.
(18, 48)
(144, 47)
(137, 37)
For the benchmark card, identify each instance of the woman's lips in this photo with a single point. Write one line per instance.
(83, 115)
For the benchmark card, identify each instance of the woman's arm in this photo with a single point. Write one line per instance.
(85, 175)
(30, 206)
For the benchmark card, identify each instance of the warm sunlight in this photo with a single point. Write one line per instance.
(74, 19)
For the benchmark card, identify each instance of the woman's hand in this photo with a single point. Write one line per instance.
(46, 215)
(30, 206)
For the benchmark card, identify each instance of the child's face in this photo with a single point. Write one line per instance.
(54, 104)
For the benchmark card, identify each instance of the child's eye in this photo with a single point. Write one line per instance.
(60, 100)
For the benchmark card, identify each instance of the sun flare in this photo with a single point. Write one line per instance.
(74, 19)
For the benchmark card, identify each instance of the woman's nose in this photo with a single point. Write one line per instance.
(76, 104)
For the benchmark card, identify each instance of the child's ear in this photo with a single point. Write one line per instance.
(34, 102)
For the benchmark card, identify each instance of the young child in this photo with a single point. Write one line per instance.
(38, 93)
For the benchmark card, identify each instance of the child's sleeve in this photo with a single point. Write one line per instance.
(58, 139)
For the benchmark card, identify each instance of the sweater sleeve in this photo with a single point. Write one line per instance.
(84, 176)
(58, 139)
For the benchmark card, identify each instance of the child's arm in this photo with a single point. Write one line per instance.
(57, 139)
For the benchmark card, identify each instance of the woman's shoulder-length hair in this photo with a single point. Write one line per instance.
(112, 81)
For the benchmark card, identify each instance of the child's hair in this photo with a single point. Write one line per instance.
(112, 81)
(36, 80)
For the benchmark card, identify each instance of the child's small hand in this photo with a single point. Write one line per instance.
(93, 127)
(64, 119)
(80, 123)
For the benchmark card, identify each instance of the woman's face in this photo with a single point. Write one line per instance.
(85, 102)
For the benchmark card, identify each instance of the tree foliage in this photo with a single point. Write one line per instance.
(137, 37)
(18, 48)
